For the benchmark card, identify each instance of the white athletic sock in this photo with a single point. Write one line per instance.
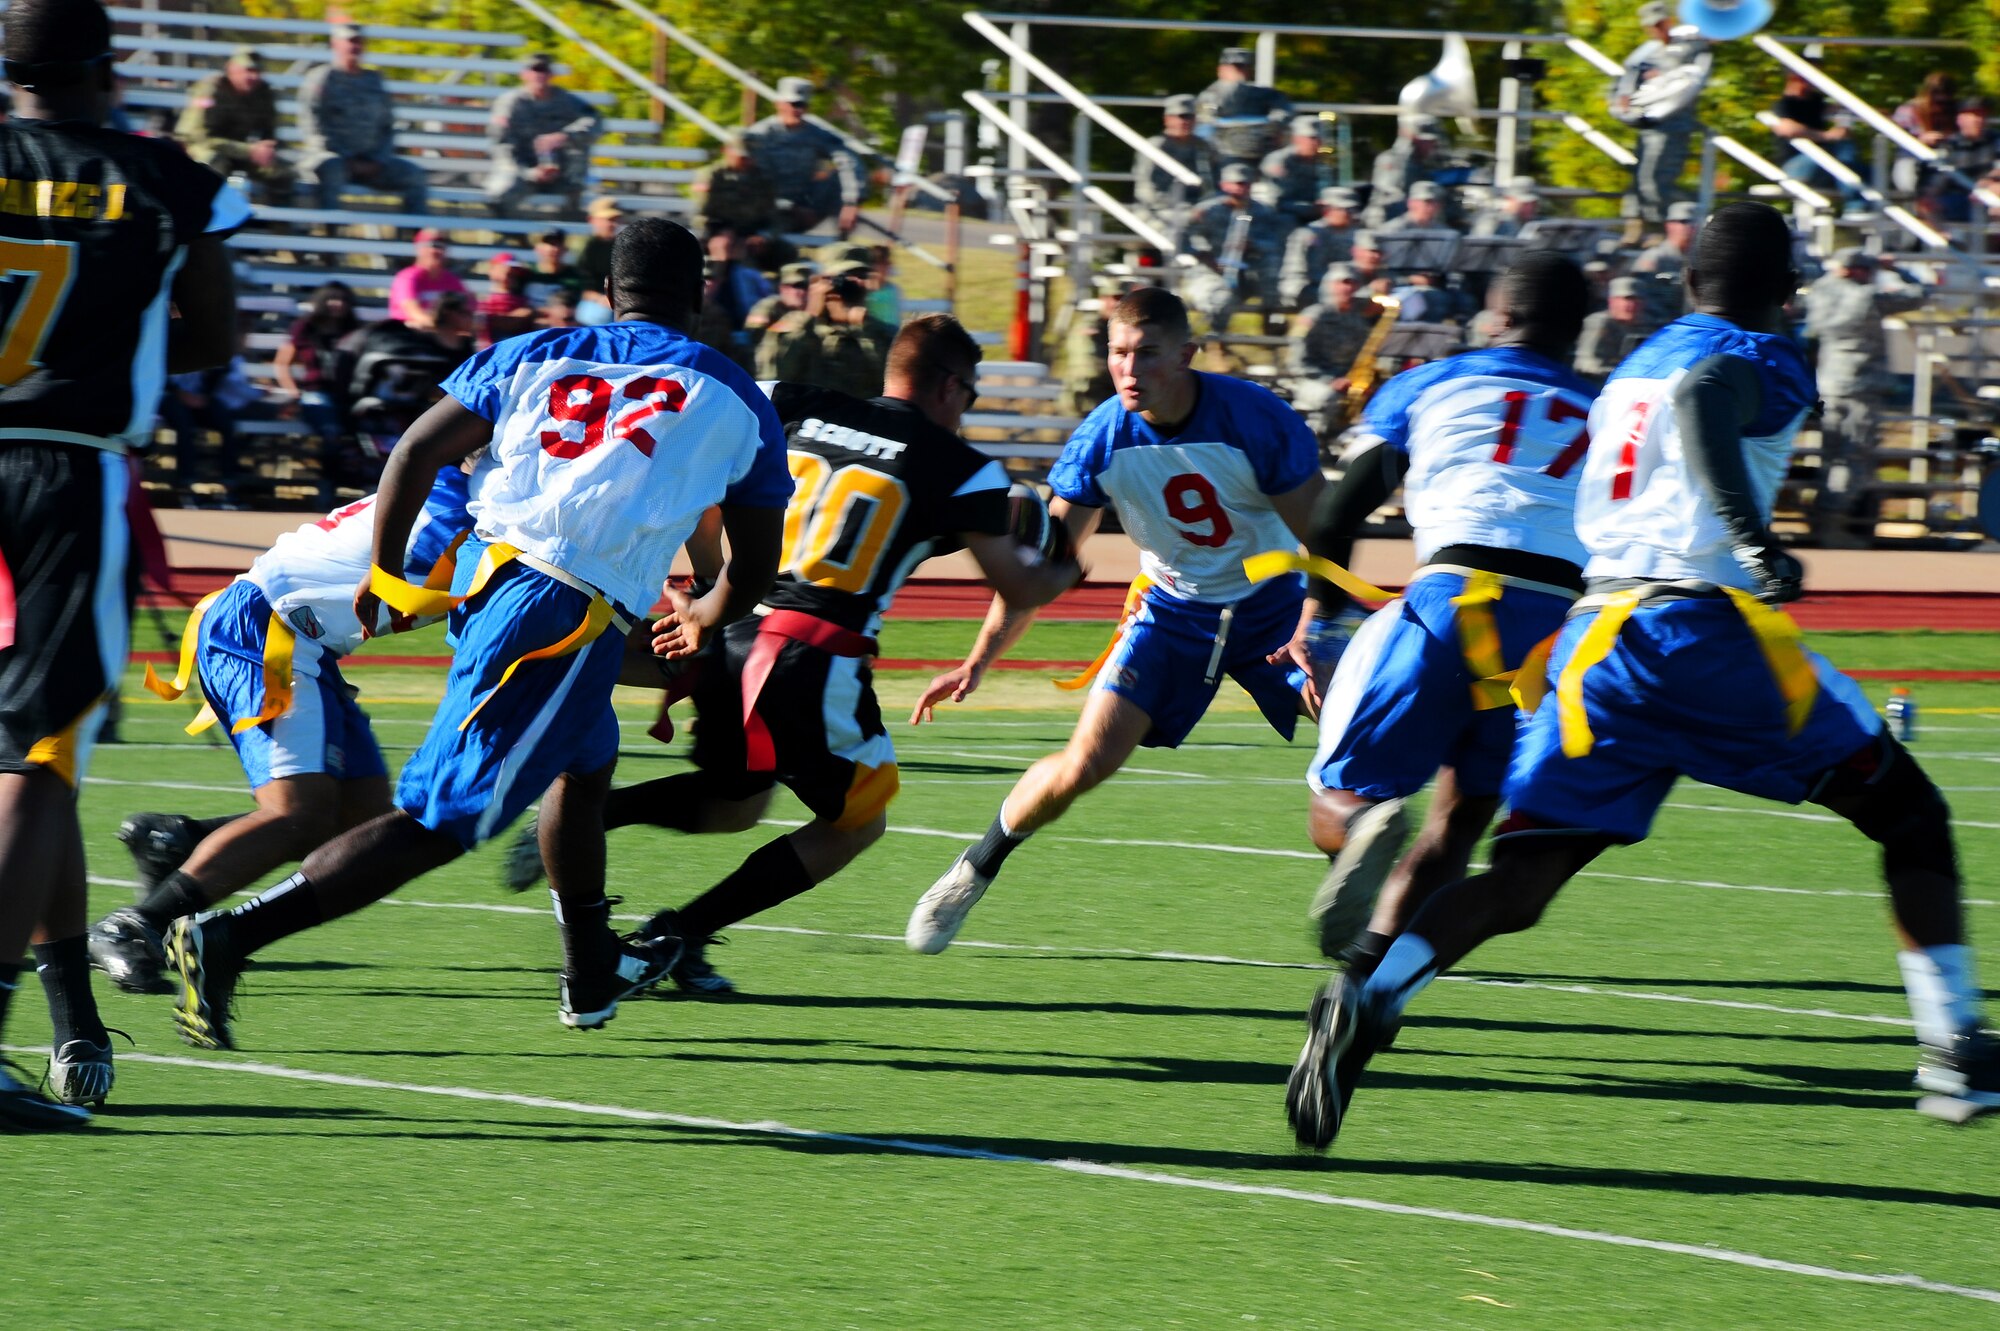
(1408, 965)
(1944, 991)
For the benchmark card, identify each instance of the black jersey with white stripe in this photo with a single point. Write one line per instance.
(94, 224)
(877, 490)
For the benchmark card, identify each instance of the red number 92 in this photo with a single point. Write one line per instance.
(1191, 485)
(585, 399)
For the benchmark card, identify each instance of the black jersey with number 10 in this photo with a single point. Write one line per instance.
(877, 490)
(94, 224)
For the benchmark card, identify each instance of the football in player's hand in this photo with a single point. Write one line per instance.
(1029, 518)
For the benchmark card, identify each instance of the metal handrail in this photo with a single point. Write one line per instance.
(1762, 166)
(1847, 176)
(1599, 140)
(702, 51)
(1281, 29)
(631, 75)
(1140, 227)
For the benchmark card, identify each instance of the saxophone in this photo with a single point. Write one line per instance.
(1365, 376)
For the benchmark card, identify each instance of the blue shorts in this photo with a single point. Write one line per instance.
(1166, 659)
(1684, 692)
(553, 716)
(1400, 705)
(322, 733)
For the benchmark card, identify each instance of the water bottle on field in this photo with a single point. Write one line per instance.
(1902, 712)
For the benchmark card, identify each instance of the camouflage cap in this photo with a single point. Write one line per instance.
(795, 89)
(1180, 104)
(797, 274)
(1235, 55)
(1339, 196)
(246, 56)
(1427, 189)
(1625, 286)
(1681, 212)
(1236, 173)
(1304, 125)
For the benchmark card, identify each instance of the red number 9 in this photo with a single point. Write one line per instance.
(1207, 509)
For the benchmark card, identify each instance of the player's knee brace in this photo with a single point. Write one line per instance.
(1893, 802)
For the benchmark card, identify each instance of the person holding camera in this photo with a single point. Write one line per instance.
(833, 342)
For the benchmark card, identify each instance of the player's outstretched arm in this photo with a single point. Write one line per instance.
(445, 435)
(754, 537)
(204, 296)
(1005, 622)
(1714, 402)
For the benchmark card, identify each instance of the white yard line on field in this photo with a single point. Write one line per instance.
(1086, 1168)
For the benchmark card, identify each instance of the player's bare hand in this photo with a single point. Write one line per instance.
(678, 633)
(1298, 653)
(367, 606)
(952, 686)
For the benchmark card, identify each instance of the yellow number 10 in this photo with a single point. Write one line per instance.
(818, 546)
(47, 266)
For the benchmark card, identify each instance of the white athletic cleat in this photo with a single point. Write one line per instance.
(941, 912)
(80, 1073)
(523, 868)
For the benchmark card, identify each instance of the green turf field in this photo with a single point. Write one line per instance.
(1683, 1102)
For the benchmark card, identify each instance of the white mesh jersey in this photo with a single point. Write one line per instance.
(1639, 512)
(1494, 438)
(1197, 503)
(310, 575)
(608, 442)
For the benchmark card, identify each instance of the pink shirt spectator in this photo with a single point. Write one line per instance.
(416, 291)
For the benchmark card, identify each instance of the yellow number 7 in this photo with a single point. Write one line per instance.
(48, 266)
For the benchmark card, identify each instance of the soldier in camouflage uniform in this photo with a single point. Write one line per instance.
(735, 195)
(1844, 313)
(231, 124)
(1158, 193)
(794, 279)
(1297, 171)
(1241, 117)
(1326, 339)
(1662, 268)
(349, 126)
(833, 342)
(1413, 157)
(1086, 377)
(541, 137)
(1312, 249)
(1220, 286)
(788, 149)
(1515, 207)
(1657, 92)
(1613, 332)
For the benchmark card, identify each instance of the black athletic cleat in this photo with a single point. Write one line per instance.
(1964, 1075)
(24, 1109)
(205, 988)
(1341, 1036)
(160, 843)
(589, 1001)
(130, 952)
(691, 973)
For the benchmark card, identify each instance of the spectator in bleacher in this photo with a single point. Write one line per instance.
(1366, 261)
(1311, 250)
(557, 310)
(391, 371)
(789, 150)
(415, 290)
(1613, 332)
(505, 308)
(831, 343)
(1657, 93)
(541, 137)
(733, 288)
(885, 298)
(211, 399)
(1240, 245)
(735, 194)
(349, 125)
(593, 261)
(1970, 151)
(1327, 338)
(1159, 193)
(1662, 265)
(1244, 119)
(1803, 115)
(1413, 157)
(1844, 312)
(1423, 210)
(553, 272)
(1515, 207)
(794, 280)
(1298, 172)
(230, 123)
(1932, 115)
(304, 365)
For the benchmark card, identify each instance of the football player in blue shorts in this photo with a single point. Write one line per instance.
(606, 444)
(1674, 663)
(1207, 472)
(267, 651)
(1488, 447)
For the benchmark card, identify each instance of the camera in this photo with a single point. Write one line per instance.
(848, 290)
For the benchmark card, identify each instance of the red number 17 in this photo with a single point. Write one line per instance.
(1560, 410)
